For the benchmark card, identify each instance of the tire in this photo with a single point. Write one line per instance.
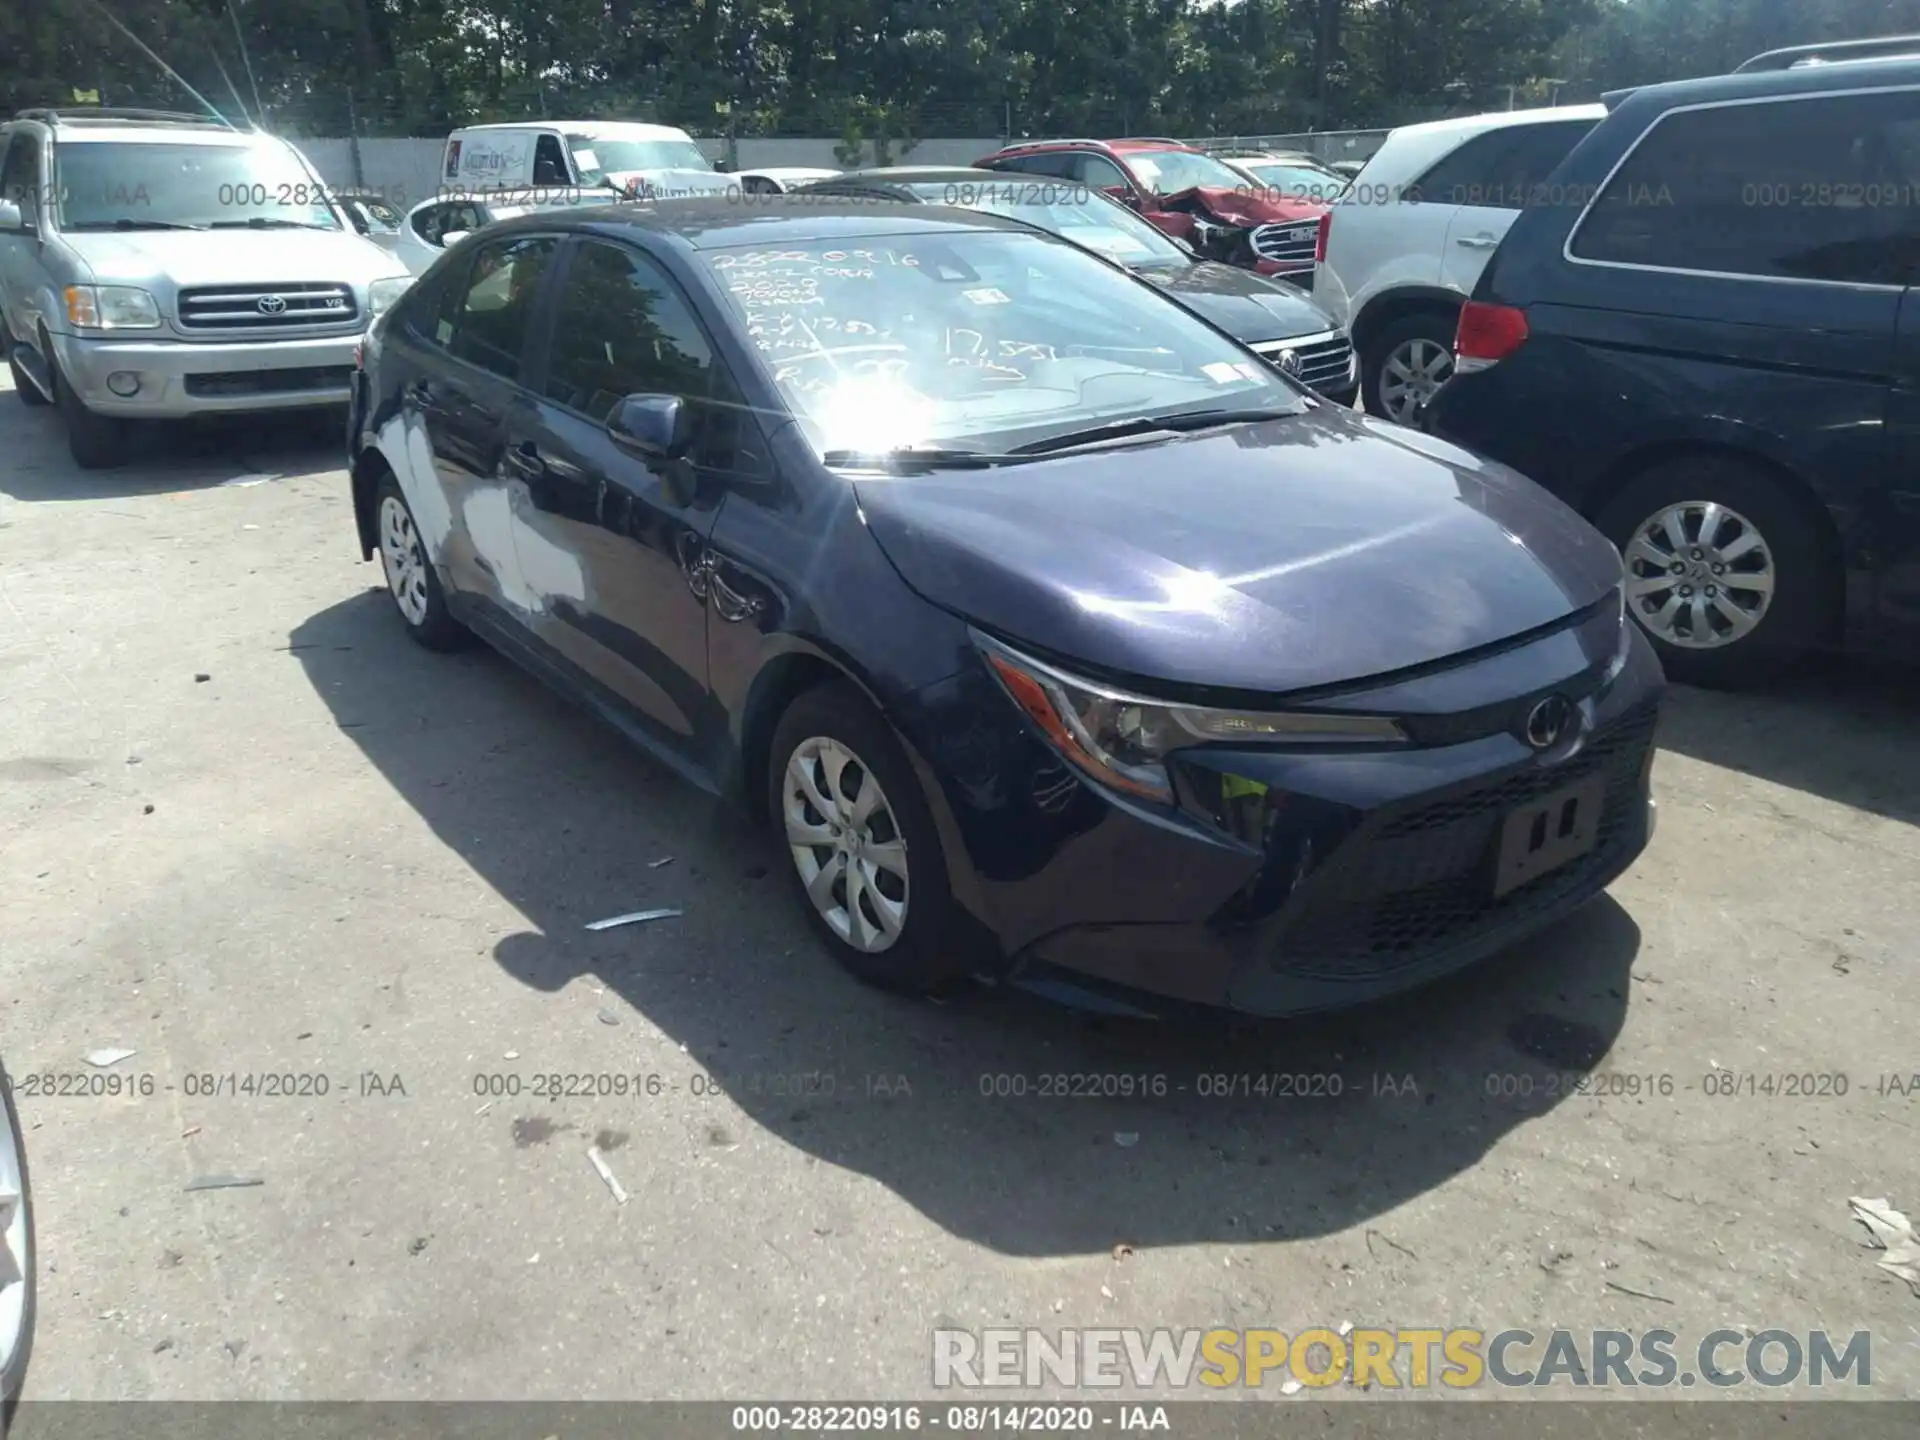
(412, 584)
(1426, 328)
(14, 1372)
(23, 385)
(97, 442)
(921, 956)
(1781, 625)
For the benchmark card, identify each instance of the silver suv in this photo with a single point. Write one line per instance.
(155, 265)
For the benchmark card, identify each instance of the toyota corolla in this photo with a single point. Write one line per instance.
(1053, 633)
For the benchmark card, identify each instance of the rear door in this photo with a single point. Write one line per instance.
(617, 565)
(1493, 184)
(461, 404)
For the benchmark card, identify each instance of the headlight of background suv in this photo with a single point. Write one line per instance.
(1122, 740)
(382, 293)
(111, 307)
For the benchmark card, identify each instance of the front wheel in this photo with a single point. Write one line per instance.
(867, 865)
(97, 442)
(17, 1283)
(1724, 571)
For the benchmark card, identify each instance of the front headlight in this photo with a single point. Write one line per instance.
(111, 307)
(1123, 740)
(382, 293)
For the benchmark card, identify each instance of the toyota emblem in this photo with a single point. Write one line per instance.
(270, 304)
(1290, 363)
(1548, 721)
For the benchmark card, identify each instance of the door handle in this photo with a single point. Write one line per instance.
(420, 392)
(525, 463)
(1477, 242)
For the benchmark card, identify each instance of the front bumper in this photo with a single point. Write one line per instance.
(1295, 882)
(179, 378)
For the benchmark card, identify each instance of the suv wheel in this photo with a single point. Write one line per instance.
(411, 580)
(97, 442)
(16, 1255)
(867, 866)
(23, 385)
(1723, 571)
(1404, 365)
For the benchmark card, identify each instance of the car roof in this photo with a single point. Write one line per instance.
(1837, 74)
(719, 222)
(609, 129)
(1498, 119)
(924, 174)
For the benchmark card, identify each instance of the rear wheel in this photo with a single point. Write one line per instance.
(17, 1286)
(1406, 363)
(866, 863)
(411, 580)
(1725, 573)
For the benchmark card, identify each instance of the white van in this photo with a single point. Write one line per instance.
(620, 155)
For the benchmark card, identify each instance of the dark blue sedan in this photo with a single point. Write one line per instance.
(1052, 630)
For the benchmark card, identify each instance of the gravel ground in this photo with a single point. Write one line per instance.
(247, 829)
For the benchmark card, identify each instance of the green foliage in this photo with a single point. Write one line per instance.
(876, 72)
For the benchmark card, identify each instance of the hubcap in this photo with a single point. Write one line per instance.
(1414, 369)
(16, 1261)
(403, 560)
(846, 843)
(1699, 575)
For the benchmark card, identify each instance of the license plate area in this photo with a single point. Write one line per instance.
(1548, 833)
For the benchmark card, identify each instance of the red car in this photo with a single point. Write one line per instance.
(1187, 193)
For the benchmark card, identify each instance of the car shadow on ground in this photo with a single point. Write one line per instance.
(165, 456)
(561, 817)
(1843, 730)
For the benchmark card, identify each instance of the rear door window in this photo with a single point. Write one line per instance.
(1468, 176)
(1826, 188)
(1063, 163)
(492, 315)
(20, 175)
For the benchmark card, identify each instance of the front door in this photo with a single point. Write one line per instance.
(20, 281)
(615, 560)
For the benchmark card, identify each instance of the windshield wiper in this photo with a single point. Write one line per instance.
(916, 457)
(124, 223)
(1151, 425)
(266, 222)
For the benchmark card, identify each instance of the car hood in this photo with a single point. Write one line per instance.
(1287, 555)
(229, 257)
(1245, 305)
(1245, 208)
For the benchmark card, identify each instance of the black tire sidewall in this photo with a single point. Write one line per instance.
(16, 1374)
(1795, 619)
(96, 442)
(1434, 325)
(439, 630)
(921, 959)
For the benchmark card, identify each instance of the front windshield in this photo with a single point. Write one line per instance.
(597, 157)
(1287, 180)
(108, 185)
(1168, 172)
(975, 340)
(1073, 212)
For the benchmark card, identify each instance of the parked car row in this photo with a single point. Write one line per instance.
(1692, 317)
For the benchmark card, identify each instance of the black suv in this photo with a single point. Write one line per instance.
(1702, 333)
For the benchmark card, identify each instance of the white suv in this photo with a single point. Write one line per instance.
(1401, 249)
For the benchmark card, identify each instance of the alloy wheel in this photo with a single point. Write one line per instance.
(16, 1257)
(1699, 575)
(403, 560)
(846, 843)
(1413, 370)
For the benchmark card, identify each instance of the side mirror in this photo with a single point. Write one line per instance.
(450, 237)
(659, 429)
(11, 218)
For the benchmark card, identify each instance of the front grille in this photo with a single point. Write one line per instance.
(1419, 882)
(1325, 361)
(291, 381)
(1292, 244)
(277, 306)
